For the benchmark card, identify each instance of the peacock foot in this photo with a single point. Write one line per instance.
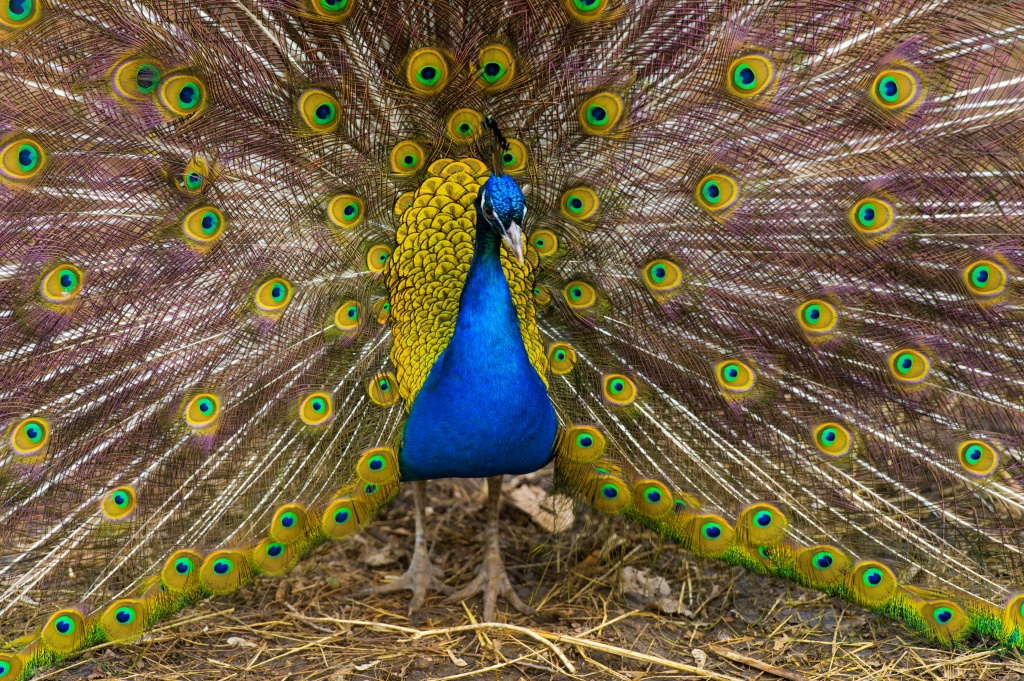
(421, 578)
(491, 581)
(491, 578)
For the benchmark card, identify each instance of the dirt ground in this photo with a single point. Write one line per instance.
(592, 621)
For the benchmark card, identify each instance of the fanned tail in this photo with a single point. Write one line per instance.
(784, 317)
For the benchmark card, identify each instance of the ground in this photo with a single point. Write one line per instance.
(593, 620)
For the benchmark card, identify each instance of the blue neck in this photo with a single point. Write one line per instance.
(483, 409)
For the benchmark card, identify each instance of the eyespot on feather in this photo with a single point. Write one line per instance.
(383, 389)
(273, 295)
(316, 409)
(1013, 619)
(579, 203)
(545, 241)
(181, 571)
(870, 584)
(896, 88)
(319, 111)
(349, 316)
(381, 310)
(341, 520)
(378, 465)
(407, 158)
(118, 503)
(224, 571)
(29, 437)
(945, 619)
(62, 284)
(760, 524)
(985, 279)
(685, 504)
(289, 523)
(124, 619)
(497, 67)
(582, 444)
(662, 277)
(182, 95)
(202, 410)
(427, 71)
(586, 10)
(599, 113)
(377, 257)
(832, 439)
(735, 377)
(11, 667)
(465, 126)
(749, 76)
(704, 535)
(203, 224)
(135, 79)
(817, 317)
(608, 494)
(872, 217)
(618, 390)
(273, 558)
(194, 178)
(978, 458)
(716, 193)
(333, 10)
(64, 632)
(822, 566)
(20, 14)
(652, 498)
(561, 358)
(579, 295)
(345, 211)
(908, 366)
(515, 157)
(21, 160)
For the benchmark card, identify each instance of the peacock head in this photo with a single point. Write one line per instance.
(502, 207)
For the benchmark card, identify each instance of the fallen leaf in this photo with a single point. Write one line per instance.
(456, 660)
(700, 657)
(368, 665)
(552, 512)
(653, 589)
(241, 642)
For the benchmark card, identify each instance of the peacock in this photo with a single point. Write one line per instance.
(746, 274)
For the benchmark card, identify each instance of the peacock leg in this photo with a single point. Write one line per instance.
(491, 578)
(422, 575)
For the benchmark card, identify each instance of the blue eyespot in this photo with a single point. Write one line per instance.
(64, 625)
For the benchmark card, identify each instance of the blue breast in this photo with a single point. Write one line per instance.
(483, 409)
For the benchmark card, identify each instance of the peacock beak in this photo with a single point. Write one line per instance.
(513, 237)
